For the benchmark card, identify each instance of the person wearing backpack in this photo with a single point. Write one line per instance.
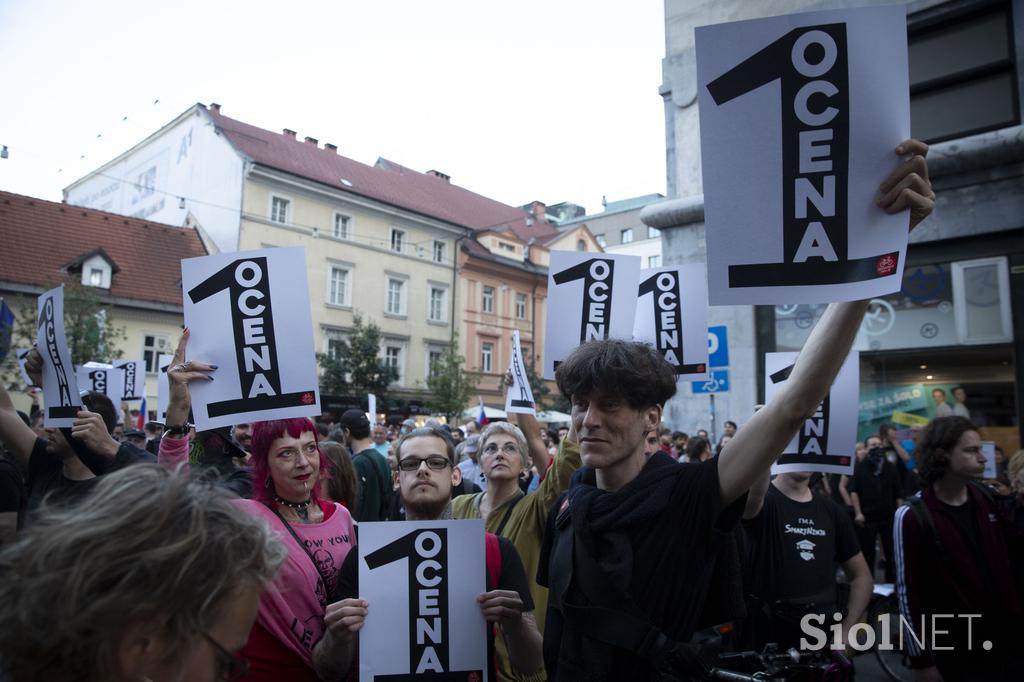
(426, 475)
(958, 566)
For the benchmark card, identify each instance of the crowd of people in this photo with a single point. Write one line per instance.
(612, 544)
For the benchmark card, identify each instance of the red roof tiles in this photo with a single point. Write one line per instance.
(386, 181)
(39, 239)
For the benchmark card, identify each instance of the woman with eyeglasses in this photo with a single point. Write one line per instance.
(151, 578)
(504, 453)
(288, 468)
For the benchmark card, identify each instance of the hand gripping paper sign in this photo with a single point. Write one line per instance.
(101, 378)
(60, 390)
(826, 439)
(421, 580)
(800, 116)
(260, 300)
(672, 316)
(519, 396)
(22, 354)
(133, 379)
(590, 297)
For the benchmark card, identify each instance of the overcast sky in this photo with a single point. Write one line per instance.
(555, 100)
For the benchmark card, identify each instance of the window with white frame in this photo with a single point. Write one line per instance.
(654, 261)
(394, 357)
(436, 307)
(398, 243)
(488, 301)
(601, 241)
(395, 303)
(334, 342)
(339, 285)
(440, 251)
(505, 246)
(434, 356)
(653, 232)
(981, 301)
(520, 306)
(280, 209)
(627, 235)
(152, 346)
(95, 277)
(342, 226)
(487, 357)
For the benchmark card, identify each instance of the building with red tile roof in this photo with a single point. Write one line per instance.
(133, 265)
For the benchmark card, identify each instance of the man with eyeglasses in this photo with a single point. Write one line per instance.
(426, 475)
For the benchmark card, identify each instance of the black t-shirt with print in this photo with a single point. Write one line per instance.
(794, 548)
(512, 577)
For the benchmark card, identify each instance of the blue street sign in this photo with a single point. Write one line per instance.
(718, 383)
(718, 346)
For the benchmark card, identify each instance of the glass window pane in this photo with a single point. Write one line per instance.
(982, 296)
(983, 103)
(964, 45)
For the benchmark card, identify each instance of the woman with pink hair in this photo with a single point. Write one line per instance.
(287, 470)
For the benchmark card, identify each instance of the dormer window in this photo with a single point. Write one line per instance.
(95, 277)
(96, 269)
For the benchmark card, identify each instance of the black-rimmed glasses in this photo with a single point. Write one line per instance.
(437, 463)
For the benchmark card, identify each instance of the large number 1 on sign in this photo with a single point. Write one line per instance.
(248, 286)
(811, 64)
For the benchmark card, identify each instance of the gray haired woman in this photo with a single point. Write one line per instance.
(153, 577)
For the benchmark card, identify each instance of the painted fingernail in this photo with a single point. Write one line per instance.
(213, 366)
(209, 377)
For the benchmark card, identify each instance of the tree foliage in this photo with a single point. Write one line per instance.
(356, 368)
(450, 386)
(91, 333)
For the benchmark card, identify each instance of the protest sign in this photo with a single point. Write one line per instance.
(800, 116)
(371, 408)
(826, 440)
(519, 396)
(672, 316)
(988, 448)
(163, 389)
(133, 379)
(421, 580)
(22, 354)
(101, 378)
(590, 296)
(260, 300)
(60, 389)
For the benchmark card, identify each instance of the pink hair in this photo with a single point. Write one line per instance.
(263, 436)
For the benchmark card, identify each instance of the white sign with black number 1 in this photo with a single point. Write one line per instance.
(519, 396)
(60, 389)
(101, 378)
(591, 296)
(826, 440)
(672, 316)
(133, 379)
(421, 580)
(260, 301)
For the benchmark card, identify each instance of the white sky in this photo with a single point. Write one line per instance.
(555, 100)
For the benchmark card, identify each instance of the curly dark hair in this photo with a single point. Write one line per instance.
(937, 442)
(632, 370)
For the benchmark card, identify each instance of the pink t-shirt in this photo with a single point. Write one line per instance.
(292, 607)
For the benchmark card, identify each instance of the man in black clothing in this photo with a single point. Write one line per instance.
(630, 561)
(875, 491)
(427, 474)
(795, 539)
(64, 465)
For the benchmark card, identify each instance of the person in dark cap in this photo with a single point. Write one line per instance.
(372, 474)
(136, 437)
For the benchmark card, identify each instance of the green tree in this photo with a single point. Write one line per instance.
(541, 393)
(450, 386)
(356, 368)
(90, 332)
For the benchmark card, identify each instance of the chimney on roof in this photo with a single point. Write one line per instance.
(439, 174)
(311, 140)
(288, 133)
(539, 211)
(330, 147)
(214, 107)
